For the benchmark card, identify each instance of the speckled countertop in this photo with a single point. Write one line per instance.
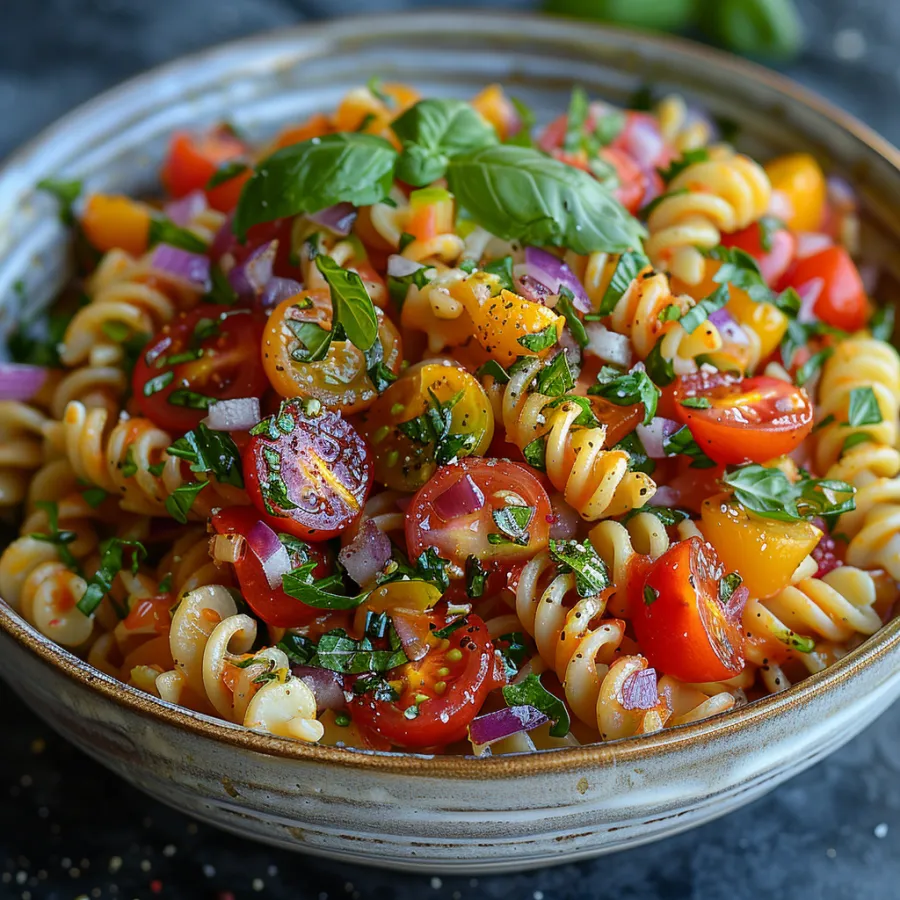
(69, 829)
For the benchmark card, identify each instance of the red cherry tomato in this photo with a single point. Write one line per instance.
(774, 261)
(634, 182)
(272, 605)
(446, 688)
(640, 134)
(747, 420)
(842, 301)
(310, 473)
(194, 159)
(490, 532)
(207, 354)
(685, 623)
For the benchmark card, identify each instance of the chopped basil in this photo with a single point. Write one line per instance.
(742, 270)
(315, 341)
(299, 649)
(863, 409)
(638, 460)
(502, 268)
(220, 290)
(405, 240)
(687, 159)
(682, 441)
(66, 193)
(768, 225)
(591, 575)
(189, 399)
(527, 118)
(376, 685)
(447, 630)
(627, 389)
(609, 127)
(312, 175)
(226, 172)
(728, 585)
(467, 265)
(180, 501)
(854, 440)
(432, 427)
(158, 383)
(374, 86)
(476, 577)
(651, 595)
(699, 313)
(630, 265)
(696, 402)
(398, 287)
(211, 451)
(881, 325)
(37, 342)
(660, 369)
(318, 592)
(157, 468)
(667, 515)
(514, 653)
(585, 417)
(575, 120)
(340, 653)
(513, 522)
(433, 568)
(771, 494)
(555, 378)
(566, 308)
(494, 370)
(535, 453)
(112, 562)
(540, 340)
(164, 231)
(531, 692)
(60, 539)
(812, 366)
(518, 193)
(94, 496)
(353, 308)
(788, 301)
(129, 467)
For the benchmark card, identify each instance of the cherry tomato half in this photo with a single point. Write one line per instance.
(440, 694)
(681, 624)
(309, 473)
(204, 355)
(747, 420)
(492, 531)
(272, 605)
(774, 261)
(842, 301)
(431, 415)
(339, 380)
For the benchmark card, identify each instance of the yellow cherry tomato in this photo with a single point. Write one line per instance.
(765, 552)
(498, 109)
(110, 222)
(409, 596)
(339, 380)
(373, 109)
(507, 325)
(433, 414)
(801, 182)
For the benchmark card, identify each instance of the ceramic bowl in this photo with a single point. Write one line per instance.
(445, 814)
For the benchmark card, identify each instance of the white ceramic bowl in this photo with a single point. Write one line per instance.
(445, 814)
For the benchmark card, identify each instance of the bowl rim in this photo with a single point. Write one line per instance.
(611, 753)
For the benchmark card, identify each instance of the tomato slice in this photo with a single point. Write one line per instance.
(774, 260)
(194, 159)
(340, 379)
(747, 419)
(207, 354)
(307, 471)
(681, 624)
(439, 695)
(433, 409)
(445, 514)
(272, 605)
(842, 300)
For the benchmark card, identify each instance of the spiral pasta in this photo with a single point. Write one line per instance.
(725, 193)
(595, 482)
(679, 129)
(22, 429)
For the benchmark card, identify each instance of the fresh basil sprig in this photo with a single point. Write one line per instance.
(629, 266)
(517, 193)
(432, 132)
(112, 562)
(348, 167)
(352, 306)
(531, 692)
(321, 593)
(591, 574)
(627, 388)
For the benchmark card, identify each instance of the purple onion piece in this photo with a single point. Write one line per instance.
(338, 218)
(325, 684)
(496, 726)
(249, 278)
(181, 264)
(653, 435)
(366, 555)
(19, 381)
(553, 273)
(639, 690)
(264, 543)
(278, 289)
(460, 499)
(728, 328)
(185, 208)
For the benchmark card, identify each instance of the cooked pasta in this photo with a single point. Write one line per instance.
(458, 439)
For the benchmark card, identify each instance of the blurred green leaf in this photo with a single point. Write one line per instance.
(655, 15)
(767, 28)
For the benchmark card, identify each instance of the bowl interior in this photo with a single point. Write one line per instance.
(116, 142)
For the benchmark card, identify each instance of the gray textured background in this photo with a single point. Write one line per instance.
(69, 830)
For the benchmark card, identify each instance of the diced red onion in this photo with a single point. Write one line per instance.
(338, 218)
(234, 415)
(185, 208)
(270, 552)
(495, 726)
(554, 274)
(734, 608)
(366, 555)
(809, 295)
(278, 289)
(728, 328)
(224, 241)
(565, 519)
(460, 499)
(665, 496)
(643, 142)
(809, 243)
(528, 286)
(780, 206)
(182, 264)
(413, 633)
(653, 435)
(841, 194)
(399, 266)
(19, 381)
(324, 683)
(608, 345)
(639, 690)
(250, 277)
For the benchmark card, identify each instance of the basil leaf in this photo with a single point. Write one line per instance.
(881, 325)
(687, 159)
(93, 496)
(863, 409)
(447, 630)
(312, 175)
(353, 308)
(315, 341)
(220, 291)
(340, 653)
(112, 561)
(535, 453)
(575, 120)
(433, 427)
(638, 461)
(61, 539)
(586, 417)
(651, 595)
(555, 378)
(527, 118)
(318, 593)
(513, 522)
(698, 314)
(627, 389)
(66, 193)
(742, 270)
(566, 308)
(494, 370)
(813, 365)
(299, 649)
(696, 403)
(531, 692)
(398, 286)
(476, 577)
(180, 501)
(629, 266)
(609, 127)
(503, 269)
(211, 451)
(164, 231)
(660, 369)
(682, 441)
(517, 193)
(728, 585)
(591, 574)
(540, 340)
(226, 172)
(432, 131)
(667, 515)
(514, 653)
(433, 568)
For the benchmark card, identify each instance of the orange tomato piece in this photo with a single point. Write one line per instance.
(110, 222)
(801, 182)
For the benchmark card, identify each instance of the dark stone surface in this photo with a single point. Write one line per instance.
(68, 829)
